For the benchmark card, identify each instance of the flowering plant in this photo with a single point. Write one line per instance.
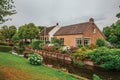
(65, 49)
(35, 59)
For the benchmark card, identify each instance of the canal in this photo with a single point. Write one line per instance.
(84, 71)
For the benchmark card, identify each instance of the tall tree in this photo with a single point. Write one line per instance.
(118, 15)
(6, 9)
(12, 31)
(8, 32)
(112, 33)
(28, 31)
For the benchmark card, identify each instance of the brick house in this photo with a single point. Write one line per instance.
(77, 34)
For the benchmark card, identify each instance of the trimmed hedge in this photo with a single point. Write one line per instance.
(5, 44)
(5, 48)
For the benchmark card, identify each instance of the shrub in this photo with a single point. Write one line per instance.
(35, 59)
(56, 41)
(95, 77)
(5, 48)
(92, 46)
(3, 43)
(65, 49)
(80, 54)
(107, 58)
(100, 42)
(54, 48)
(18, 50)
(79, 46)
(37, 44)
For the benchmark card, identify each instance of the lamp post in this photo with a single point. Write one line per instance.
(44, 35)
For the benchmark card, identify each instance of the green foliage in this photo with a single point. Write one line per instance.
(56, 41)
(95, 77)
(100, 42)
(107, 58)
(6, 9)
(35, 59)
(28, 31)
(3, 43)
(118, 15)
(80, 54)
(18, 49)
(5, 48)
(37, 44)
(65, 49)
(79, 63)
(55, 48)
(92, 46)
(79, 46)
(8, 32)
(112, 33)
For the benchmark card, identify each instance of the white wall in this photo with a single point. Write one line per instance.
(53, 31)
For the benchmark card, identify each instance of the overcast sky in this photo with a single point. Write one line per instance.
(65, 12)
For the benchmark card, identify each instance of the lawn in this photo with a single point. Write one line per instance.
(13, 67)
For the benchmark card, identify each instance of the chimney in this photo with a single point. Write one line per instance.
(91, 20)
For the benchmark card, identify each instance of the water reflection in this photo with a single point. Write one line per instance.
(84, 71)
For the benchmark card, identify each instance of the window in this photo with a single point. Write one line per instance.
(62, 41)
(78, 41)
(86, 41)
(94, 31)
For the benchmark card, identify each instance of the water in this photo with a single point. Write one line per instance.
(84, 71)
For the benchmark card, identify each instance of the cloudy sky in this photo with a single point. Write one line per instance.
(65, 12)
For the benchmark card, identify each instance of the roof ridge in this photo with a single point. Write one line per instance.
(75, 24)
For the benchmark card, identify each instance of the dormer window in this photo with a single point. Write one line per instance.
(94, 31)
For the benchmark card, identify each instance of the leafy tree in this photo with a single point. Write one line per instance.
(112, 33)
(5, 31)
(8, 32)
(28, 31)
(118, 15)
(6, 9)
(100, 42)
(12, 31)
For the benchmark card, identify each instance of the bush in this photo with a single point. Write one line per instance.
(95, 77)
(37, 44)
(35, 59)
(92, 46)
(18, 50)
(79, 46)
(107, 58)
(5, 48)
(65, 49)
(3, 43)
(100, 42)
(80, 54)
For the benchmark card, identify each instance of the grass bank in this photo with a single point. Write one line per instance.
(13, 67)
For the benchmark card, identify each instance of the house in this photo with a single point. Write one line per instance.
(77, 34)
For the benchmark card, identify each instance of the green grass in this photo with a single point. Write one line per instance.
(13, 67)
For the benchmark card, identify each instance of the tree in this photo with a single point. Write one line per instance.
(6, 9)
(112, 33)
(8, 32)
(100, 42)
(118, 15)
(12, 31)
(28, 31)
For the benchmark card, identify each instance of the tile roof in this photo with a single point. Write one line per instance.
(47, 30)
(73, 29)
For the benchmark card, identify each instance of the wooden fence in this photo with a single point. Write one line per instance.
(54, 55)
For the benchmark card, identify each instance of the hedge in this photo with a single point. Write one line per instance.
(3, 43)
(5, 48)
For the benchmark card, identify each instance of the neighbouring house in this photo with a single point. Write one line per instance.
(73, 35)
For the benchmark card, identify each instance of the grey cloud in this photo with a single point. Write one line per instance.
(66, 12)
